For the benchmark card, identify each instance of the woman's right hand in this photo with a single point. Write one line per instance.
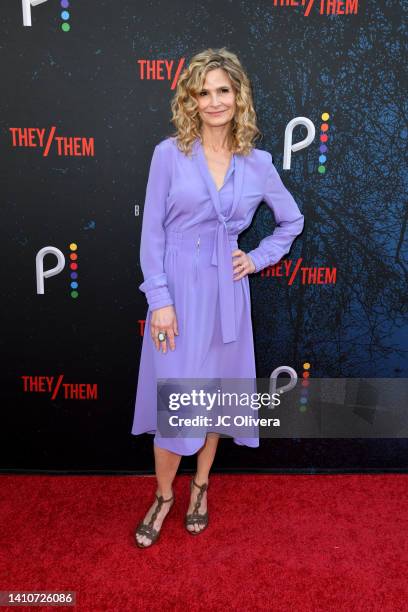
(165, 320)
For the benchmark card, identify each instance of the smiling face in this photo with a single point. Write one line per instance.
(216, 100)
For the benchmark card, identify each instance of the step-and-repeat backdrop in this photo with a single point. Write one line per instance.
(85, 97)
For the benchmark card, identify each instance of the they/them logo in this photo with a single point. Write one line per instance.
(67, 146)
(160, 70)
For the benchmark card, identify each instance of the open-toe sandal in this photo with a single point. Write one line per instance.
(195, 517)
(147, 529)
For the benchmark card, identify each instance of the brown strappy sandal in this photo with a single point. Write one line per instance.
(195, 517)
(147, 529)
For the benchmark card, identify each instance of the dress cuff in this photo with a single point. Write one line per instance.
(156, 290)
(260, 261)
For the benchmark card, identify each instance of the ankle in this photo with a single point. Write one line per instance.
(165, 493)
(201, 479)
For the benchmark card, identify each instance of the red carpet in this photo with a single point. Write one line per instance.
(283, 543)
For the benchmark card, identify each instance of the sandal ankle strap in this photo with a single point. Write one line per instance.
(161, 499)
(202, 487)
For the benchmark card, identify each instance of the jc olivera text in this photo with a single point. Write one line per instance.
(224, 420)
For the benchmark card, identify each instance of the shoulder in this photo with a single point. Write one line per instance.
(260, 155)
(167, 145)
(260, 161)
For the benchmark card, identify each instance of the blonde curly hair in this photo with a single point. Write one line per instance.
(184, 106)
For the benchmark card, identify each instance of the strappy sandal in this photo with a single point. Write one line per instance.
(147, 529)
(195, 517)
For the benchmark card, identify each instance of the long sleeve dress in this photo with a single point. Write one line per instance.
(189, 231)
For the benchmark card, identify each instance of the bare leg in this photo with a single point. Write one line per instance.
(205, 459)
(166, 466)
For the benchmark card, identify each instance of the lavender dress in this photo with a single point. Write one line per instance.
(189, 230)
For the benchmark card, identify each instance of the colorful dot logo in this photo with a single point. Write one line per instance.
(73, 247)
(324, 137)
(305, 385)
(65, 26)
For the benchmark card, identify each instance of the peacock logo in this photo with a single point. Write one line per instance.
(27, 4)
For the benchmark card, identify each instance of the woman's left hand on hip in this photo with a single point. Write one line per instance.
(242, 264)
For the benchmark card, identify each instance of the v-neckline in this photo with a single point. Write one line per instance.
(209, 171)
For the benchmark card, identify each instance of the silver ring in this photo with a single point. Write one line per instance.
(161, 336)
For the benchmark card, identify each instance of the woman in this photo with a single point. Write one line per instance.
(205, 184)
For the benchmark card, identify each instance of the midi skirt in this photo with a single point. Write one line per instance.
(200, 351)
